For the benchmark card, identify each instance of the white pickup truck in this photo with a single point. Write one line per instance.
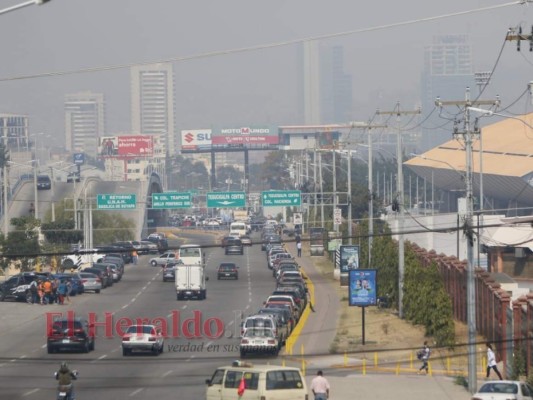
(81, 257)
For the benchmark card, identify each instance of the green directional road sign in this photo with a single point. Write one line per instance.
(286, 198)
(116, 201)
(226, 199)
(170, 200)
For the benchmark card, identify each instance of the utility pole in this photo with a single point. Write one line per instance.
(368, 126)
(400, 202)
(519, 36)
(468, 136)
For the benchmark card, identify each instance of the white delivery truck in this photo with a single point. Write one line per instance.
(190, 281)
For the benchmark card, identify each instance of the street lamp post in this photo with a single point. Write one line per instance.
(22, 5)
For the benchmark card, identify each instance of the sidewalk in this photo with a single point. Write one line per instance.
(318, 333)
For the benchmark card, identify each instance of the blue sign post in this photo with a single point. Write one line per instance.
(79, 158)
(362, 291)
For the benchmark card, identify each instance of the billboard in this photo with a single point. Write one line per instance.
(349, 258)
(197, 139)
(135, 145)
(362, 289)
(246, 136)
(108, 146)
(126, 146)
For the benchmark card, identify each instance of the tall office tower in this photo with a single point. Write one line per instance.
(152, 102)
(448, 71)
(335, 87)
(311, 83)
(326, 89)
(14, 131)
(84, 121)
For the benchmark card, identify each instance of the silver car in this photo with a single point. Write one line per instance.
(91, 282)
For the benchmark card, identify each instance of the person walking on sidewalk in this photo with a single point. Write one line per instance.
(423, 355)
(299, 248)
(320, 386)
(491, 362)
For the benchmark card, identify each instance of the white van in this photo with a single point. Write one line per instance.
(238, 228)
(262, 382)
(191, 254)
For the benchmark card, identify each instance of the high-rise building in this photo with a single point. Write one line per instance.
(84, 121)
(152, 102)
(325, 87)
(335, 87)
(448, 71)
(14, 128)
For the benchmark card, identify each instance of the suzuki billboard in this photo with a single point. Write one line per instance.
(197, 139)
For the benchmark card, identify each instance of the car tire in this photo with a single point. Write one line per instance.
(161, 349)
(243, 354)
(97, 291)
(154, 263)
(29, 297)
(87, 347)
(126, 352)
(50, 349)
(155, 351)
(93, 345)
(2, 296)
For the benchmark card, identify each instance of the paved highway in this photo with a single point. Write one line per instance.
(26, 370)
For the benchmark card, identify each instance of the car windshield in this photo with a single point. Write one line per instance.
(258, 332)
(227, 266)
(141, 329)
(499, 387)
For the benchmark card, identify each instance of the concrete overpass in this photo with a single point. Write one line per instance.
(143, 216)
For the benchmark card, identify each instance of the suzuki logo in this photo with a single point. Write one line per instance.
(189, 137)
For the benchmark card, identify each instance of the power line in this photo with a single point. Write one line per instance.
(218, 53)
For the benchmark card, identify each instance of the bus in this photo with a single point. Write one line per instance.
(238, 228)
(191, 254)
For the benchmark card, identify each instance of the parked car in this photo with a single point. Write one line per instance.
(74, 280)
(259, 341)
(265, 321)
(504, 390)
(103, 273)
(17, 287)
(227, 270)
(91, 282)
(142, 338)
(70, 334)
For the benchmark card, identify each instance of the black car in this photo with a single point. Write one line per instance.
(44, 182)
(169, 272)
(18, 287)
(70, 334)
(227, 270)
(234, 246)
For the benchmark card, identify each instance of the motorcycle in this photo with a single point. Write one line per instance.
(65, 392)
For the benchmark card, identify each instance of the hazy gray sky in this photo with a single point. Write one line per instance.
(258, 87)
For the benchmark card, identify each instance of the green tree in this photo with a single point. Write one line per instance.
(109, 227)
(22, 244)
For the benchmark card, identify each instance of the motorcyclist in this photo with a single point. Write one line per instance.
(65, 377)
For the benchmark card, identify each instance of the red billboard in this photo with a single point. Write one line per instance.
(135, 146)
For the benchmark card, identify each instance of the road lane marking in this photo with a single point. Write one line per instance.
(31, 392)
(23, 356)
(167, 373)
(135, 392)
